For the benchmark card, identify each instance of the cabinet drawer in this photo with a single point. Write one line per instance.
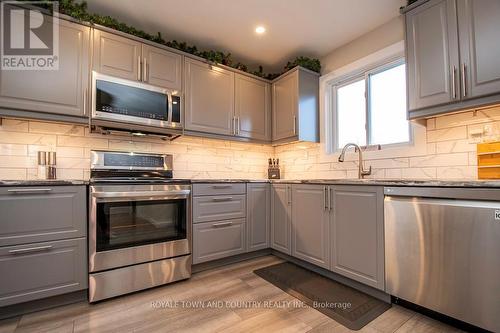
(215, 240)
(215, 208)
(219, 189)
(35, 271)
(42, 213)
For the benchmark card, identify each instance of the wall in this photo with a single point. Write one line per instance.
(383, 36)
(445, 148)
(193, 157)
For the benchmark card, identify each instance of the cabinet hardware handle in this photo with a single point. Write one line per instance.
(325, 198)
(453, 82)
(85, 96)
(31, 249)
(145, 71)
(222, 199)
(464, 79)
(294, 125)
(330, 198)
(29, 190)
(289, 189)
(139, 68)
(221, 186)
(220, 225)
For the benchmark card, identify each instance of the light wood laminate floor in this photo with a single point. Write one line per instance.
(145, 312)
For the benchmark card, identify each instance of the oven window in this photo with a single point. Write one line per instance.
(127, 224)
(131, 101)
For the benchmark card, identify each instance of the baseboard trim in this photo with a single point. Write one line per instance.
(379, 294)
(229, 260)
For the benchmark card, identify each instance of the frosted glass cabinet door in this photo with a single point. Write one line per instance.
(59, 91)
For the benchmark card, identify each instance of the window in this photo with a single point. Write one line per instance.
(370, 108)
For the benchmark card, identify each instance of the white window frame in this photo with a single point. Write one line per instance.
(381, 60)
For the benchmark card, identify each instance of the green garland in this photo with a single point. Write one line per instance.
(79, 11)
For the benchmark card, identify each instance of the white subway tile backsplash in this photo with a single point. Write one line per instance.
(445, 148)
(454, 133)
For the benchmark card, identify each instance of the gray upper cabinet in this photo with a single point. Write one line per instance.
(61, 91)
(252, 108)
(452, 55)
(311, 224)
(285, 106)
(281, 229)
(357, 234)
(295, 114)
(479, 27)
(57, 212)
(209, 104)
(432, 54)
(258, 216)
(129, 59)
(117, 56)
(162, 68)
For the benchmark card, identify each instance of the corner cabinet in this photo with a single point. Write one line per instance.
(311, 224)
(296, 106)
(252, 108)
(258, 216)
(281, 229)
(209, 104)
(222, 102)
(61, 92)
(357, 233)
(453, 58)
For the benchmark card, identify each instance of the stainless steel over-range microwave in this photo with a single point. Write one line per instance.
(134, 106)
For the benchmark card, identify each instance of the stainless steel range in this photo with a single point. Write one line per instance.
(140, 224)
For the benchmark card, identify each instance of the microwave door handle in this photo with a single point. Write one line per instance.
(170, 106)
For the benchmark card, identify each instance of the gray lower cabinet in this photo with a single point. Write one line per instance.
(258, 216)
(252, 108)
(209, 102)
(357, 233)
(479, 26)
(42, 213)
(43, 242)
(62, 91)
(281, 229)
(216, 240)
(219, 189)
(311, 224)
(39, 270)
(215, 208)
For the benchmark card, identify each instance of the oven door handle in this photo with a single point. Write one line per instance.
(142, 195)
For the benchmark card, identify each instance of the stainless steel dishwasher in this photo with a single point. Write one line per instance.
(442, 251)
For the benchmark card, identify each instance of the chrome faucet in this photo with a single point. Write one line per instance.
(361, 170)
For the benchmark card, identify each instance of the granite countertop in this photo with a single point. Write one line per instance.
(396, 182)
(375, 182)
(47, 182)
